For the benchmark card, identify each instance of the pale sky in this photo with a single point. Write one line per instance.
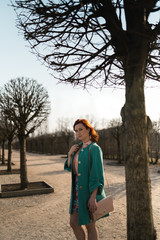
(16, 60)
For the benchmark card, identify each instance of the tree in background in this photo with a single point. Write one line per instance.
(116, 131)
(65, 130)
(155, 142)
(25, 102)
(3, 138)
(8, 129)
(99, 42)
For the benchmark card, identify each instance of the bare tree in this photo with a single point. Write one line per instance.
(98, 42)
(65, 129)
(116, 131)
(8, 128)
(155, 142)
(3, 139)
(25, 102)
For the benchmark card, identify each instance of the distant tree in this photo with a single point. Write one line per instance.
(98, 42)
(155, 142)
(0, 150)
(107, 143)
(9, 130)
(116, 131)
(25, 102)
(3, 139)
(65, 130)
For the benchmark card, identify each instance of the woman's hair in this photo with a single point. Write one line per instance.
(93, 134)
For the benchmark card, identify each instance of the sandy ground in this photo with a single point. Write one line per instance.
(45, 217)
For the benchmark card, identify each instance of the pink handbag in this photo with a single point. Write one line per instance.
(105, 205)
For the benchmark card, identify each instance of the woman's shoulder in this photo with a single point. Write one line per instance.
(95, 146)
(96, 151)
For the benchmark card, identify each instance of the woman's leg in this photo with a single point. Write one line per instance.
(79, 231)
(92, 231)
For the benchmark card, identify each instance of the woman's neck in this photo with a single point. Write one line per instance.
(86, 143)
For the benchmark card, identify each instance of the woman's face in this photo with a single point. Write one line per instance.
(82, 133)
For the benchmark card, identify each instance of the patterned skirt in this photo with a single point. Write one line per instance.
(75, 195)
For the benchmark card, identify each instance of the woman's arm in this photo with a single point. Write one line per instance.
(67, 164)
(69, 159)
(96, 177)
(73, 149)
(92, 203)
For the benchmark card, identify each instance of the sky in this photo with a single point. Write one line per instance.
(68, 103)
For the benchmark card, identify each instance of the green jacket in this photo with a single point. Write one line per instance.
(87, 183)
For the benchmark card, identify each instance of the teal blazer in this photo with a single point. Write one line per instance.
(87, 182)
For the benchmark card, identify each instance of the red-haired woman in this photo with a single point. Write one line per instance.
(87, 180)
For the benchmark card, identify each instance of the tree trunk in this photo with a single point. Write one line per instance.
(3, 151)
(0, 154)
(9, 169)
(118, 148)
(140, 224)
(150, 152)
(23, 161)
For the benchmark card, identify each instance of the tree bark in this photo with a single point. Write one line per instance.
(23, 162)
(0, 153)
(3, 152)
(118, 150)
(9, 168)
(138, 185)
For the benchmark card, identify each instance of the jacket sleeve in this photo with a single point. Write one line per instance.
(66, 167)
(96, 177)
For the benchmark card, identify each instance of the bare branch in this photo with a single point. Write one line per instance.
(24, 102)
(75, 37)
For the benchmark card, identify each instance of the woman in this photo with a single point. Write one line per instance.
(86, 164)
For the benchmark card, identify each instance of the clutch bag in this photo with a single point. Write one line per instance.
(104, 207)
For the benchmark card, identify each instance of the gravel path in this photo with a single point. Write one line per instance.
(45, 217)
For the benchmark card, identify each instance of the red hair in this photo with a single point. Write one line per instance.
(93, 134)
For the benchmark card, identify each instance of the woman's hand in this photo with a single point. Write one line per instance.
(73, 149)
(92, 204)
